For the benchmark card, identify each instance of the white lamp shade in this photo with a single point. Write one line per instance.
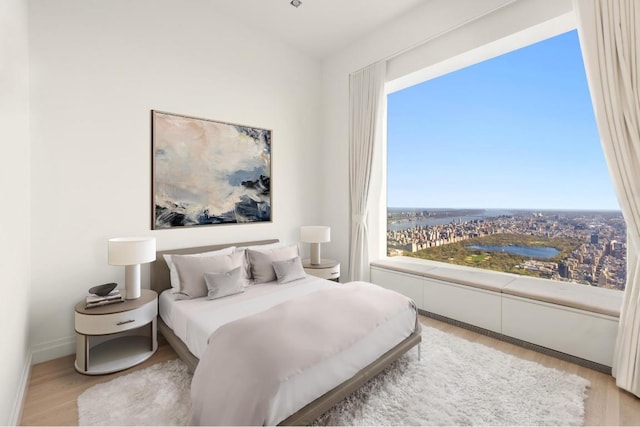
(132, 250)
(315, 234)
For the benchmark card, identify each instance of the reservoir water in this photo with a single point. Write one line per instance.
(539, 252)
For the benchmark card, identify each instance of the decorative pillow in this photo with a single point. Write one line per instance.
(261, 262)
(224, 284)
(173, 272)
(289, 270)
(191, 270)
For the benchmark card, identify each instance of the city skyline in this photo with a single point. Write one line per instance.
(514, 132)
(585, 247)
(500, 208)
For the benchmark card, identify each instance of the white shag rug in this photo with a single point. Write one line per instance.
(456, 382)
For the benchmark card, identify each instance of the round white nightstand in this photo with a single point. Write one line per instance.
(117, 336)
(327, 269)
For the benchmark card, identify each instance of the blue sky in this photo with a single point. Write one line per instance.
(516, 131)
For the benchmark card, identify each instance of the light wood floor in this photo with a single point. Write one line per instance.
(54, 385)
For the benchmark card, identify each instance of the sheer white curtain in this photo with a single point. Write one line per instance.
(609, 33)
(366, 105)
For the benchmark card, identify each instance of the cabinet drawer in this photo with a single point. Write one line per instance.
(103, 324)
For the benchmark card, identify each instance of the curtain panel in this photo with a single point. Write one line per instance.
(609, 32)
(366, 105)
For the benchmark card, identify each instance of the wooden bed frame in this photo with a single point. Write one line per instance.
(160, 281)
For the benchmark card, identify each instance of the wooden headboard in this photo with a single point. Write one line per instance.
(159, 271)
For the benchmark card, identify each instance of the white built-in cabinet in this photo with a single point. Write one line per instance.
(580, 333)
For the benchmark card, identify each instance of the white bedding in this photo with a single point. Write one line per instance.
(195, 320)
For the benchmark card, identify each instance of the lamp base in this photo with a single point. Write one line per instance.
(315, 253)
(132, 281)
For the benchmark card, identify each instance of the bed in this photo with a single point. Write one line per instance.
(190, 345)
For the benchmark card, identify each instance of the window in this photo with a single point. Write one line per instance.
(499, 166)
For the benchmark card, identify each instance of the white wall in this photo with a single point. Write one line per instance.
(463, 25)
(14, 215)
(98, 68)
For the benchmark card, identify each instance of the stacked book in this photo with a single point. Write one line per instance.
(94, 300)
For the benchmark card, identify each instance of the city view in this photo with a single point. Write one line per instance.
(515, 130)
(582, 247)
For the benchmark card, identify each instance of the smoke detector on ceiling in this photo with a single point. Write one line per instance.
(296, 3)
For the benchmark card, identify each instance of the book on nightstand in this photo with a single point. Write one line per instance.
(93, 300)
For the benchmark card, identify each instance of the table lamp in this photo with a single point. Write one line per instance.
(131, 252)
(315, 234)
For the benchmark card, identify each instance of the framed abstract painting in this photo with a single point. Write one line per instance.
(207, 172)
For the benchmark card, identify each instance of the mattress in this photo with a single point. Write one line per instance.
(193, 321)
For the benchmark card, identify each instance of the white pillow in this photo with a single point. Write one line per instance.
(192, 271)
(247, 267)
(261, 262)
(173, 271)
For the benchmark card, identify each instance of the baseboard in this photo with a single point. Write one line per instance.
(53, 349)
(18, 404)
(530, 346)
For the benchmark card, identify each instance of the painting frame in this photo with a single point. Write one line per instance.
(207, 172)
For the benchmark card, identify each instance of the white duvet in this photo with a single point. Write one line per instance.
(194, 321)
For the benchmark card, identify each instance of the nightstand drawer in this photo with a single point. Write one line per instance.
(330, 273)
(104, 324)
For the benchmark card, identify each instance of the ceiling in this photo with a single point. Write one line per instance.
(317, 27)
